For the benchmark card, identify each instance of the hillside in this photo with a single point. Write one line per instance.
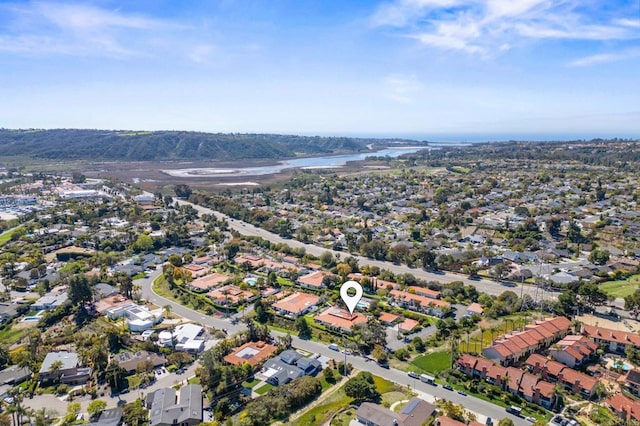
(66, 144)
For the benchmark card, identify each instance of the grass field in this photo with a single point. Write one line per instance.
(338, 401)
(621, 288)
(11, 335)
(433, 362)
(6, 236)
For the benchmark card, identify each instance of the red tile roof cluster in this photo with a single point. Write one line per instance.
(424, 301)
(531, 338)
(606, 334)
(229, 294)
(258, 261)
(624, 406)
(564, 374)
(579, 347)
(518, 381)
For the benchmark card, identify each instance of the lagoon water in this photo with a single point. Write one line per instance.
(325, 162)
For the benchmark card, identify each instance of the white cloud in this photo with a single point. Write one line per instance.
(605, 58)
(39, 28)
(490, 26)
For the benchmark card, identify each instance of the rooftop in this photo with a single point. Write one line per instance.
(251, 353)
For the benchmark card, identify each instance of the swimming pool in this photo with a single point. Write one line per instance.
(33, 318)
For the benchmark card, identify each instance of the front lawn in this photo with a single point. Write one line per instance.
(263, 389)
(251, 384)
(621, 288)
(433, 362)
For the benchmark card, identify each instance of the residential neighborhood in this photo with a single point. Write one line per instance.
(489, 294)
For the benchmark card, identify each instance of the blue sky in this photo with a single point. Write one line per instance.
(440, 69)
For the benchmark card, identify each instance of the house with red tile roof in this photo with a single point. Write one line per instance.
(573, 350)
(313, 280)
(474, 309)
(208, 282)
(387, 318)
(615, 341)
(515, 346)
(296, 304)
(624, 407)
(340, 319)
(408, 325)
(230, 295)
(195, 270)
(251, 353)
(423, 291)
(552, 371)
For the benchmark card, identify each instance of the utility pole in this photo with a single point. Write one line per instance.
(345, 356)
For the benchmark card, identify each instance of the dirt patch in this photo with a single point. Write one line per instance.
(621, 325)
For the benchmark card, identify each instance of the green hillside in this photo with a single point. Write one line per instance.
(67, 144)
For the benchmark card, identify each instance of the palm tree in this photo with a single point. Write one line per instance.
(54, 369)
(558, 396)
(225, 292)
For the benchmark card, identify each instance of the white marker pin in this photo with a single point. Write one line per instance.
(351, 301)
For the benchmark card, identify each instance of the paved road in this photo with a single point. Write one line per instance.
(165, 380)
(488, 286)
(481, 407)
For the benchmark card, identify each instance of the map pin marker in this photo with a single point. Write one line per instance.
(351, 301)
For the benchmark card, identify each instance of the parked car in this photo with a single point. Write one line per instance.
(447, 387)
(463, 393)
(334, 347)
(414, 375)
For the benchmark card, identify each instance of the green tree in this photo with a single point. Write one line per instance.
(144, 243)
(327, 260)
(304, 331)
(79, 289)
(134, 413)
(96, 407)
(182, 191)
(328, 374)
(262, 316)
(599, 257)
(505, 422)
(362, 387)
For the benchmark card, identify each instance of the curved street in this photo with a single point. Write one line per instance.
(482, 408)
(485, 285)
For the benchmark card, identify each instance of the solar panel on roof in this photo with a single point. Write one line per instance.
(409, 408)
